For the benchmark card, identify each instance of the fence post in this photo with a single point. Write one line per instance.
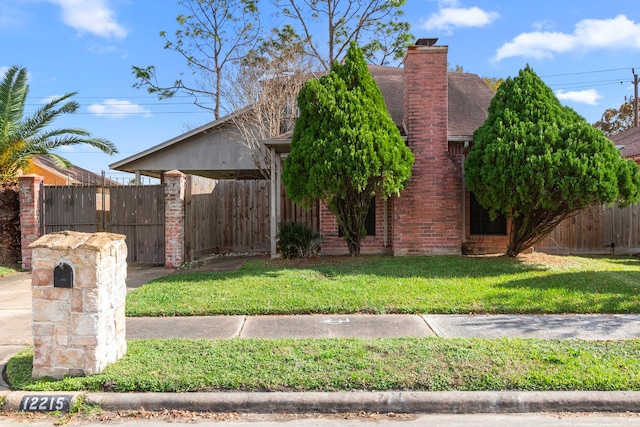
(29, 186)
(174, 232)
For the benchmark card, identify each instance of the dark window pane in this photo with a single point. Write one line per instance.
(369, 221)
(480, 223)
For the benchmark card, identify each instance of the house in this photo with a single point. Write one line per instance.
(55, 175)
(629, 143)
(437, 112)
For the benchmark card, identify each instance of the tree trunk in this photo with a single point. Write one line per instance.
(354, 248)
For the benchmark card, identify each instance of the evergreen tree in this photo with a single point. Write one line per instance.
(345, 147)
(538, 162)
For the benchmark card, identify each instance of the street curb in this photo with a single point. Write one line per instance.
(455, 402)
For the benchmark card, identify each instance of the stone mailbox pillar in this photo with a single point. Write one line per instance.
(79, 289)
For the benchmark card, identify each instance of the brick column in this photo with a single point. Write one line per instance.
(29, 186)
(174, 194)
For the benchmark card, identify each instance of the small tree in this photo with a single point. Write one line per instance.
(213, 36)
(538, 162)
(376, 24)
(345, 147)
(614, 121)
(264, 91)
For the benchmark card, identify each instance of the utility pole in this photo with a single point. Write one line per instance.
(635, 98)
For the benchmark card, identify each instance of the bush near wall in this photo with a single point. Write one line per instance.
(9, 224)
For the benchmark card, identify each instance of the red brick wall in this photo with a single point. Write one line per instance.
(482, 244)
(29, 215)
(427, 217)
(174, 218)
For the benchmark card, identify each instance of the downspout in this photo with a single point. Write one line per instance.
(465, 150)
(278, 191)
(272, 208)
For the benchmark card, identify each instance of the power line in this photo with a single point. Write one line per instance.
(139, 113)
(586, 72)
(586, 84)
(126, 102)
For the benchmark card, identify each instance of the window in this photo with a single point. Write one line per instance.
(369, 221)
(480, 223)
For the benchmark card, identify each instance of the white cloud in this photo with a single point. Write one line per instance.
(544, 24)
(91, 16)
(451, 16)
(589, 34)
(590, 96)
(117, 108)
(102, 49)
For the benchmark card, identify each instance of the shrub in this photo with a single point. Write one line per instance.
(298, 240)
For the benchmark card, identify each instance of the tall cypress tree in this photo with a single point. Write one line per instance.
(345, 147)
(538, 162)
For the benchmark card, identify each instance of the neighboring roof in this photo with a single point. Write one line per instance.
(217, 157)
(629, 140)
(72, 176)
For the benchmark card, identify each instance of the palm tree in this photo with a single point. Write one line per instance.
(22, 138)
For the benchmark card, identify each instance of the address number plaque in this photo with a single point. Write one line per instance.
(43, 403)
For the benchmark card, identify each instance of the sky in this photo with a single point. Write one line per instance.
(585, 50)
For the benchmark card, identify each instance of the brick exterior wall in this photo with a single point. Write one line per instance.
(174, 218)
(427, 217)
(483, 244)
(333, 244)
(29, 186)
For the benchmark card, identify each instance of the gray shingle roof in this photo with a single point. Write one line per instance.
(630, 139)
(469, 98)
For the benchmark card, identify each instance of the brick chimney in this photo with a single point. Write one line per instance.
(426, 217)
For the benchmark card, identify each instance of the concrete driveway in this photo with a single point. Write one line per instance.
(15, 306)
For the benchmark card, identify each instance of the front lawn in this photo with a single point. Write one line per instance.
(4, 270)
(531, 284)
(430, 364)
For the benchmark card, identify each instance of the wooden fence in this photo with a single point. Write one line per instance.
(597, 230)
(233, 216)
(135, 211)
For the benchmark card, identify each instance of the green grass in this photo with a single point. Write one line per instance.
(428, 364)
(379, 284)
(4, 270)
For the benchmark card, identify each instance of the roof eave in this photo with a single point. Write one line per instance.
(121, 165)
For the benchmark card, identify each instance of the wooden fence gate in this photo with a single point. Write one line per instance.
(135, 211)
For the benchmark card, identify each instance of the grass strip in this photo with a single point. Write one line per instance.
(429, 364)
(4, 270)
(383, 284)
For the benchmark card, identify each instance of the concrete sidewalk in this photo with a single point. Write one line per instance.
(586, 327)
